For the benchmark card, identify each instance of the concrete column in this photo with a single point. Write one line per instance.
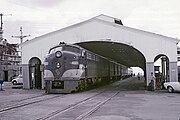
(173, 72)
(149, 69)
(25, 72)
(42, 80)
(167, 70)
(163, 66)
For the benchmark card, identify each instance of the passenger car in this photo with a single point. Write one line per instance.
(18, 80)
(172, 86)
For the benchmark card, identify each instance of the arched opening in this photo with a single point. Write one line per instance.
(121, 53)
(138, 70)
(35, 73)
(161, 69)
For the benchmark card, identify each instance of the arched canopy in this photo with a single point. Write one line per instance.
(122, 53)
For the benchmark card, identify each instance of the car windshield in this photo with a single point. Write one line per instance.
(19, 76)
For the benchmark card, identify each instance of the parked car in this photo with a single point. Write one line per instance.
(172, 86)
(18, 80)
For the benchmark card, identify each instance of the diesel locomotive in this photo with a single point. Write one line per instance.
(71, 68)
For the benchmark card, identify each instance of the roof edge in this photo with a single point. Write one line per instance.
(109, 20)
(139, 30)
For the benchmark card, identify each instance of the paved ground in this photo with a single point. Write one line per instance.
(112, 102)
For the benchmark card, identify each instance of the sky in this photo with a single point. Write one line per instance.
(38, 17)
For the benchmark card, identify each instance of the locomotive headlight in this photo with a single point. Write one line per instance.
(58, 54)
(58, 65)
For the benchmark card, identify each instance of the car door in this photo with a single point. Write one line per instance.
(176, 86)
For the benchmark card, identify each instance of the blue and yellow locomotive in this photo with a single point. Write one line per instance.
(71, 68)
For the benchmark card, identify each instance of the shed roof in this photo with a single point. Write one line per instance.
(106, 20)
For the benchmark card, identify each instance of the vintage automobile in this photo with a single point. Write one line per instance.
(18, 80)
(172, 86)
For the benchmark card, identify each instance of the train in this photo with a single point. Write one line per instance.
(70, 68)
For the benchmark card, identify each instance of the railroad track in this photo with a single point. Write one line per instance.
(75, 107)
(98, 100)
(28, 101)
(13, 102)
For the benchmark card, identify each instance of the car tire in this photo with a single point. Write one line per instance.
(170, 89)
(14, 82)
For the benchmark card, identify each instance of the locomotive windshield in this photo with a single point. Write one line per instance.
(54, 49)
(65, 48)
(71, 49)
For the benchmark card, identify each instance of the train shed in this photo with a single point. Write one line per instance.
(108, 37)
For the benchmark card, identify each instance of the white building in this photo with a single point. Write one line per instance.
(141, 48)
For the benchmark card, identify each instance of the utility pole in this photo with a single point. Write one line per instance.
(1, 27)
(1, 31)
(21, 37)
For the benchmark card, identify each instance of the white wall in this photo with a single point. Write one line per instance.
(149, 44)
